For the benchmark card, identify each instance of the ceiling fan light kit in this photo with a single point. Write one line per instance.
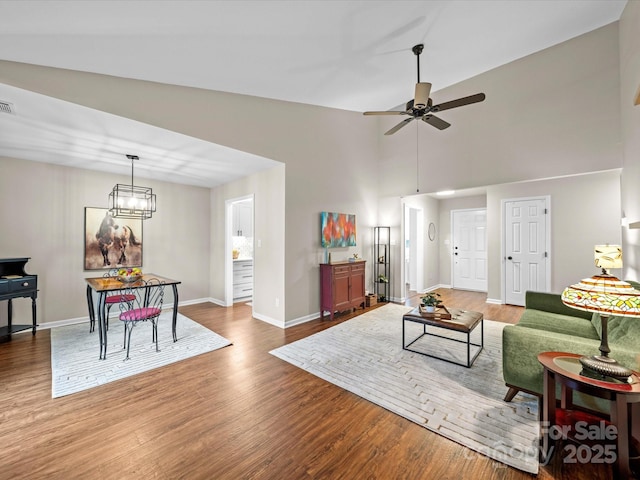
(421, 98)
(421, 106)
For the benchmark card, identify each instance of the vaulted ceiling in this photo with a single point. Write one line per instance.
(352, 55)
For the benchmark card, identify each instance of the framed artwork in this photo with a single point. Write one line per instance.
(337, 230)
(111, 242)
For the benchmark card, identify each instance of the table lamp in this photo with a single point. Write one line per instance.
(606, 295)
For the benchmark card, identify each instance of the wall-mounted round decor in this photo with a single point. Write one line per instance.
(432, 231)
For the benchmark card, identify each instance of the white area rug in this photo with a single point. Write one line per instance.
(365, 356)
(75, 365)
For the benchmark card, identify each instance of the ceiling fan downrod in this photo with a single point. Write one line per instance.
(417, 50)
(423, 90)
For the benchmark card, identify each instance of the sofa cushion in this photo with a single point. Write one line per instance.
(551, 303)
(521, 368)
(555, 322)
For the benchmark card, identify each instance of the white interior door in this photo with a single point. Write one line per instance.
(469, 249)
(525, 248)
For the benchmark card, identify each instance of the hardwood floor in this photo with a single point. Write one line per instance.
(236, 413)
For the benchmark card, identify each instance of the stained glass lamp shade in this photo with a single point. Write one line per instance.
(608, 296)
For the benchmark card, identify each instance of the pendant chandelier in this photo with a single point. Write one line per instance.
(132, 201)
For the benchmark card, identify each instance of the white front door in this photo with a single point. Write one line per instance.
(469, 249)
(525, 247)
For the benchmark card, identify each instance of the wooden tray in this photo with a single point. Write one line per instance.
(441, 313)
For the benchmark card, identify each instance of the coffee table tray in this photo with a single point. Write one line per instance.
(441, 313)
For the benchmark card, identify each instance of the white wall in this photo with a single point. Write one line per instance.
(630, 115)
(585, 211)
(269, 231)
(42, 217)
(552, 113)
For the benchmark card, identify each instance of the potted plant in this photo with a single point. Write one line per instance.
(430, 301)
(382, 279)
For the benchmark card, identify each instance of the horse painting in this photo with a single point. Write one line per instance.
(122, 240)
(112, 236)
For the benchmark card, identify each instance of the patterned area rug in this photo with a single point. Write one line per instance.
(74, 352)
(365, 356)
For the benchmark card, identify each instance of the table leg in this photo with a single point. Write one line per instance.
(9, 316)
(548, 417)
(403, 337)
(102, 325)
(566, 397)
(175, 313)
(92, 316)
(620, 418)
(33, 313)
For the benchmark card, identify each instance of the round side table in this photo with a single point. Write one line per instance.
(565, 369)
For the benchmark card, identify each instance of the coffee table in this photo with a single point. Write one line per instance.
(463, 321)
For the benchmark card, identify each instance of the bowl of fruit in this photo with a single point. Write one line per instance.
(129, 275)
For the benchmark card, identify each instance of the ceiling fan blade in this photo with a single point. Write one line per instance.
(436, 122)
(478, 97)
(385, 113)
(399, 126)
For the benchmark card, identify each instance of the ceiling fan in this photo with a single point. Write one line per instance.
(422, 106)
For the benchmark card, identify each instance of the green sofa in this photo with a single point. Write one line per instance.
(548, 325)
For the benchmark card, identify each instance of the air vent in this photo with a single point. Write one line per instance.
(6, 107)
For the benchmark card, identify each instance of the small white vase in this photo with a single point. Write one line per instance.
(430, 308)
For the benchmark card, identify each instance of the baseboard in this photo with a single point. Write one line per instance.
(269, 320)
(195, 301)
(495, 301)
(433, 287)
(217, 302)
(300, 320)
(74, 321)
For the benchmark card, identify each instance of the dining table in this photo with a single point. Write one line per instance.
(102, 286)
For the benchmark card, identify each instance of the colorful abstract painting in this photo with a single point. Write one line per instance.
(338, 229)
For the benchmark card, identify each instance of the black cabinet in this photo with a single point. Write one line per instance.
(16, 283)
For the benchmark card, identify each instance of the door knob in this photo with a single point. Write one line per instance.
(509, 258)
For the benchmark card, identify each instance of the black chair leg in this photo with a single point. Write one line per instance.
(127, 332)
(155, 333)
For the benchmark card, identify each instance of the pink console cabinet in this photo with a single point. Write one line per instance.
(341, 287)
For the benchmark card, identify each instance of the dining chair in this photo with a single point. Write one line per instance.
(146, 306)
(115, 298)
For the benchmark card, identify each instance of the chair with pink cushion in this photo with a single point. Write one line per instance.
(114, 299)
(146, 306)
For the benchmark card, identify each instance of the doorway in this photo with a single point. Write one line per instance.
(526, 256)
(413, 250)
(469, 240)
(239, 250)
